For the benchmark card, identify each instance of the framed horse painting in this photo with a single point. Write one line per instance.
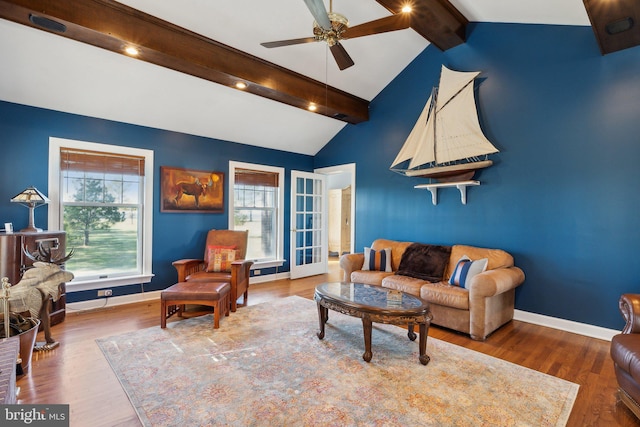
(188, 190)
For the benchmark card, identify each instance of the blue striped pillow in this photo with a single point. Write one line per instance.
(466, 269)
(377, 260)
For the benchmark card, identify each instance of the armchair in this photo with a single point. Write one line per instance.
(625, 352)
(195, 270)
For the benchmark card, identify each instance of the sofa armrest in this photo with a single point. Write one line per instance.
(630, 308)
(185, 267)
(350, 263)
(495, 282)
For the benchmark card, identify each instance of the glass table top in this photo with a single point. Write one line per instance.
(376, 297)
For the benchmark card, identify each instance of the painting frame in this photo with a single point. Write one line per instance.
(184, 190)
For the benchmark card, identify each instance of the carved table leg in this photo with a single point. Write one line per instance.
(412, 335)
(422, 344)
(322, 317)
(366, 327)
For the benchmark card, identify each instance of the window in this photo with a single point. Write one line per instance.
(98, 196)
(257, 204)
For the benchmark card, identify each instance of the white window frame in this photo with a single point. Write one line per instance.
(233, 165)
(55, 217)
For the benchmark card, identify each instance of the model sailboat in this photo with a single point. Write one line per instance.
(447, 142)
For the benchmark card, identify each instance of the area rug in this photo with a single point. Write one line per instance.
(266, 366)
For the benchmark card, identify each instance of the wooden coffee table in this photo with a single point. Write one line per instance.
(374, 304)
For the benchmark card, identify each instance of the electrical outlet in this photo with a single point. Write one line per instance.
(256, 272)
(105, 293)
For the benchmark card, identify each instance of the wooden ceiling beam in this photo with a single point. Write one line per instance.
(113, 26)
(436, 20)
(616, 24)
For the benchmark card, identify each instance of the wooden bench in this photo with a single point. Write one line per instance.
(211, 294)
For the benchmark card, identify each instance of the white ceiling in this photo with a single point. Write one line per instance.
(49, 71)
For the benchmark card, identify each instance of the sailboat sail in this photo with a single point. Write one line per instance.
(418, 138)
(447, 131)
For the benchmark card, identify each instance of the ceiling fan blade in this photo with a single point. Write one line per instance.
(289, 42)
(341, 56)
(319, 12)
(396, 22)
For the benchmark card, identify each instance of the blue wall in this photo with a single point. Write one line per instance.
(561, 196)
(562, 193)
(25, 132)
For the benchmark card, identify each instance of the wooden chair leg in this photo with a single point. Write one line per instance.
(216, 314)
(163, 314)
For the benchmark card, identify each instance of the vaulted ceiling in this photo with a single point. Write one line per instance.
(69, 57)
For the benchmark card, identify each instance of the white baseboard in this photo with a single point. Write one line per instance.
(269, 278)
(112, 301)
(566, 325)
(148, 296)
(523, 316)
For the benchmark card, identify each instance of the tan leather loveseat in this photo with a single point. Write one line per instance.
(482, 306)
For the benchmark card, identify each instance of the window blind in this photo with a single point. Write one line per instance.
(95, 161)
(257, 178)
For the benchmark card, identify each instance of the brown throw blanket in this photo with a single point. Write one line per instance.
(426, 262)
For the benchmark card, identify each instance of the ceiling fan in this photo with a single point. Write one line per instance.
(332, 27)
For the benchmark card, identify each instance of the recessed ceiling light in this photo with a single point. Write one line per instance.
(312, 107)
(406, 9)
(131, 50)
(241, 85)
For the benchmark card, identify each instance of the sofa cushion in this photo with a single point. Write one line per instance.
(497, 258)
(397, 249)
(426, 262)
(406, 284)
(369, 277)
(442, 293)
(377, 260)
(466, 269)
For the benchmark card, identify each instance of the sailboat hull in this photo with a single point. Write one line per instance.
(452, 173)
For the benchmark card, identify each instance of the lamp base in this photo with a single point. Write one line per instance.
(31, 230)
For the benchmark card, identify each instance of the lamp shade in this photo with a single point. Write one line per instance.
(31, 198)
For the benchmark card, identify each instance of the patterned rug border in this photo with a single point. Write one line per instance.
(106, 345)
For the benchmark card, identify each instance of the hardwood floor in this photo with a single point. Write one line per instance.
(76, 373)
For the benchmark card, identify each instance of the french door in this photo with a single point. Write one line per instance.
(309, 247)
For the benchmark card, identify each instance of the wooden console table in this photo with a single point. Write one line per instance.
(13, 262)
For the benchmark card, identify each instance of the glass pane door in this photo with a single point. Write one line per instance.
(308, 225)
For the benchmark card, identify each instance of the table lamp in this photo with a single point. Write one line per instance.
(31, 198)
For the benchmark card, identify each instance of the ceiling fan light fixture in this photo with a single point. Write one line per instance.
(337, 19)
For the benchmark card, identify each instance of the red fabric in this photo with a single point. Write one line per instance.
(220, 258)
